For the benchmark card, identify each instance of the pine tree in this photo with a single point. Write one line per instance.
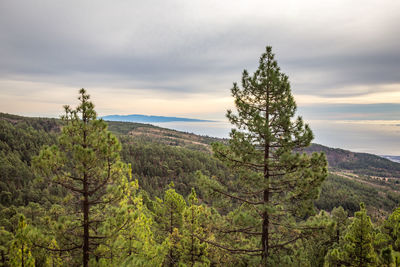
(340, 217)
(20, 249)
(391, 228)
(276, 184)
(169, 215)
(387, 241)
(359, 240)
(312, 251)
(193, 250)
(133, 243)
(87, 165)
(387, 257)
(356, 249)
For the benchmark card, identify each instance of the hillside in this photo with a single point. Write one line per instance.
(151, 133)
(361, 163)
(159, 156)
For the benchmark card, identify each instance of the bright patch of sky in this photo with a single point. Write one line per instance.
(179, 58)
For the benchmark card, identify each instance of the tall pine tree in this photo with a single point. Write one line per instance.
(86, 164)
(276, 184)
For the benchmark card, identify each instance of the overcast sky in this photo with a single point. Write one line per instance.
(179, 58)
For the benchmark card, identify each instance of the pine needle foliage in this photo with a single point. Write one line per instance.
(275, 186)
(87, 165)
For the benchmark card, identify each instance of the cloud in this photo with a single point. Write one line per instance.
(357, 113)
(180, 46)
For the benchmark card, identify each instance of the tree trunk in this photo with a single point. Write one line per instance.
(85, 199)
(171, 263)
(85, 223)
(192, 237)
(265, 226)
(265, 233)
(22, 256)
(3, 259)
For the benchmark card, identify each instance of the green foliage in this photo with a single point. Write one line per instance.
(194, 252)
(181, 229)
(170, 219)
(6, 239)
(172, 209)
(359, 239)
(389, 242)
(21, 139)
(322, 236)
(20, 249)
(391, 228)
(85, 163)
(356, 249)
(131, 242)
(275, 185)
(387, 257)
(156, 165)
(339, 191)
(326, 233)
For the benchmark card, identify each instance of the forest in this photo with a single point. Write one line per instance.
(80, 191)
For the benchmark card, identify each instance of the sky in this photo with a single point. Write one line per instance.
(180, 58)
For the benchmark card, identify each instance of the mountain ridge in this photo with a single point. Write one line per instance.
(149, 118)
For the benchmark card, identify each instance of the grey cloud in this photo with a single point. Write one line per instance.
(159, 45)
(346, 69)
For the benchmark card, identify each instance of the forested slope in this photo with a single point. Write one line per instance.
(361, 163)
(21, 138)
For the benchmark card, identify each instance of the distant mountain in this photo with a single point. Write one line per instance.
(148, 118)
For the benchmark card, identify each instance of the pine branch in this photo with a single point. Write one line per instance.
(231, 250)
(238, 198)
